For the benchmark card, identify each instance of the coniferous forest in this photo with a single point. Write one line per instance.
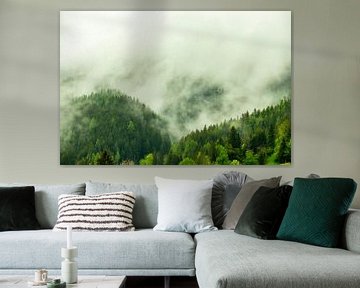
(111, 128)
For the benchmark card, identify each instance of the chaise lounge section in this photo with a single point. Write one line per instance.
(225, 259)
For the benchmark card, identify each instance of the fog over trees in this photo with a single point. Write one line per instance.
(140, 87)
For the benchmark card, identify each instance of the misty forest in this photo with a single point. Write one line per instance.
(111, 128)
(175, 88)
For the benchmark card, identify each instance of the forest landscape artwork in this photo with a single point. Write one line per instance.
(175, 88)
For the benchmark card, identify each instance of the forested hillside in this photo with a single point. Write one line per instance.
(109, 127)
(262, 137)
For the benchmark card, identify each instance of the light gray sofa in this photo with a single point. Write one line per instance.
(219, 259)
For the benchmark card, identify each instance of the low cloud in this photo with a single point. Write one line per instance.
(195, 68)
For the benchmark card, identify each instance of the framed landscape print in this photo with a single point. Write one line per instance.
(175, 88)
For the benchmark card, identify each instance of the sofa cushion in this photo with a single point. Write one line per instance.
(46, 200)
(184, 205)
(225, 189)
(146, 205)
(17, 208)
(350, 239)
(243, 198)
(105, 212)
(225, 259)
(137, 250)
(263, 215)
(317, 209)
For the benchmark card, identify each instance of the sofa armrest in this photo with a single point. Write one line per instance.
(351, 234)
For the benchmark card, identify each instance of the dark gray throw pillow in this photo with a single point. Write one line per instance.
(263, 214)
(243, 198)
(17, 208)
(225, 189)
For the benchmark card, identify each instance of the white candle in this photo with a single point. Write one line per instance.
(69, 237)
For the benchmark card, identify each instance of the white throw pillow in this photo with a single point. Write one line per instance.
(105, 212)
(184, 205)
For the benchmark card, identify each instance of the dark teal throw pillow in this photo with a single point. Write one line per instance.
(17, 208)
(316, 211)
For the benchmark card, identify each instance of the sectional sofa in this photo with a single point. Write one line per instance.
(218, 259)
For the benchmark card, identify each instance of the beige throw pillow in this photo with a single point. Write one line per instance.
(243, 198)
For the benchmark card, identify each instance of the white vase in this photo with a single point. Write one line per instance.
(69, 270)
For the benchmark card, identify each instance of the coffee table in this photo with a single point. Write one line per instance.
(84, 281)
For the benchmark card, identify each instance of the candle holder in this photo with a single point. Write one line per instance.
(69, 271)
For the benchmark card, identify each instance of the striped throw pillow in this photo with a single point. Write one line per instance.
(105, 212)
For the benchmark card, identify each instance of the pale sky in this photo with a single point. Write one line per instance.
(141, 52)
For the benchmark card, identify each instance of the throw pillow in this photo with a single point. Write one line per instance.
(263, 215)
(105, 212)
(226, 187)
(243, 198)
(184, 205)
(17, 208)
(316, 211)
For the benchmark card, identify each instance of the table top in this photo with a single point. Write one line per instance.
(84, 281)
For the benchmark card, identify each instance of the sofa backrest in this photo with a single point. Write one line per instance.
(146, 203)
(46, 200)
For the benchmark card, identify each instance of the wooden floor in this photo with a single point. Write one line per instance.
(158, 282)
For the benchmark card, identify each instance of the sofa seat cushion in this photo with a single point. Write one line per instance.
(142, 249)
(226, 259)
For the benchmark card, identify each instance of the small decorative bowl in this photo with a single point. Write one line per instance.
(56, 283)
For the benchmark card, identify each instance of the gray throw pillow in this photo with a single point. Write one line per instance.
(226, 187)
(242, 199)
(184, 205)
(263, 214)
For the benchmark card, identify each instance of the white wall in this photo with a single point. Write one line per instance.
(326, 91)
